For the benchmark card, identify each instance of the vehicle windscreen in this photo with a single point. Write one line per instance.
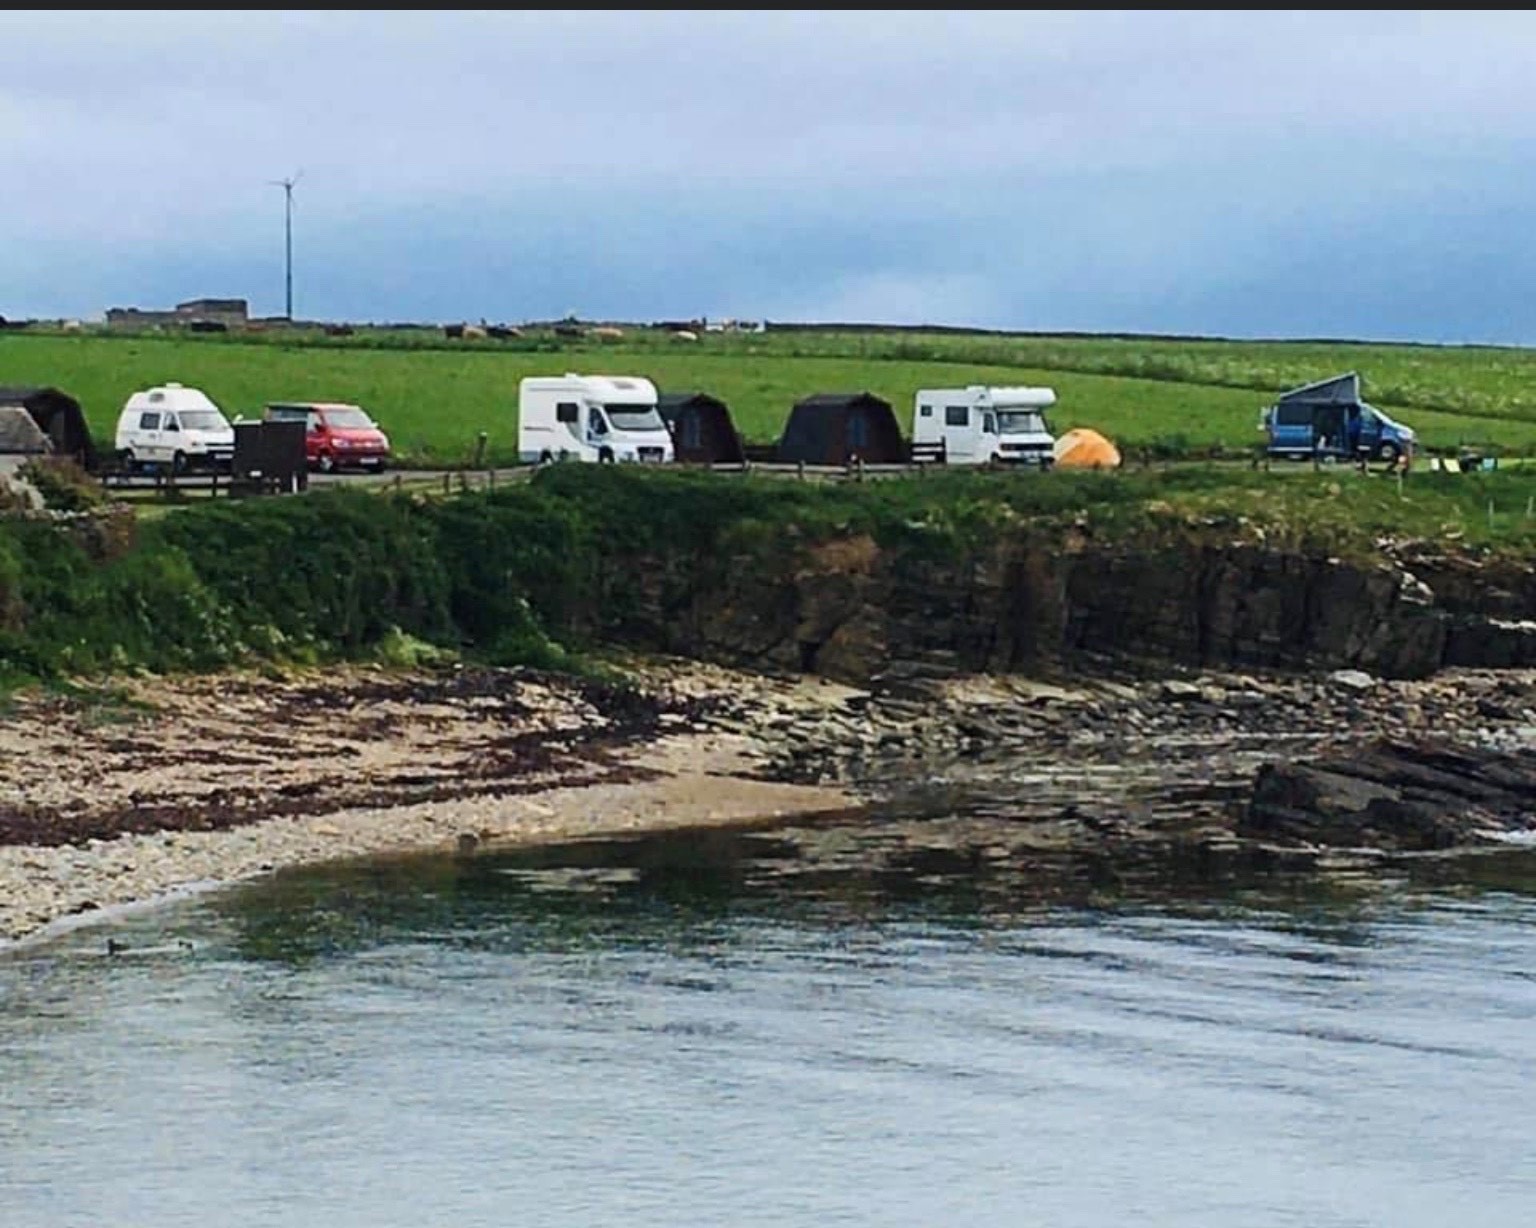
(202, 420)
(1020, 422)
(634, 417)
(350, 419)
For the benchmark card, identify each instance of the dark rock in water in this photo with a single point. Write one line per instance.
(1400, 796)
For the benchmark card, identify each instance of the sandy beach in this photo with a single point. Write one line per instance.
(160, 785)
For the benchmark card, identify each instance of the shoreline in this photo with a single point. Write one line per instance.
(136, 794)
(432, 763)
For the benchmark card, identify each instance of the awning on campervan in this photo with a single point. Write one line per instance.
(1082, 448)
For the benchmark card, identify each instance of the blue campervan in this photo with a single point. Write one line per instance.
(1331, 419)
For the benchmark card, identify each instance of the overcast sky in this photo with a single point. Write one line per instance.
(1287, 174)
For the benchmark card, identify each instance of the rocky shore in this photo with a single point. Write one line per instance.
(113, 797)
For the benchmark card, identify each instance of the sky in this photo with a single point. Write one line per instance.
(1330, 174)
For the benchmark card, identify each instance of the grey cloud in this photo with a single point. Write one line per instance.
(1151, 139)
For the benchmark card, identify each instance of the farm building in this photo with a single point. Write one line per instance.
(701, 426)
(835, 428)
(60, 417)
(226, 312)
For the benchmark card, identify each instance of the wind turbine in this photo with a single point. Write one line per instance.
(287, 186)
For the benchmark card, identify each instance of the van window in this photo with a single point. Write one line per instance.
(925, 411)
(156, 397)
(988, 424)
(1293, 414)
(170, 423)
(568, 411)
(596, 423)
(149, 422)
(957, 415)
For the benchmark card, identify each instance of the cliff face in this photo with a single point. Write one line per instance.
(852, 609)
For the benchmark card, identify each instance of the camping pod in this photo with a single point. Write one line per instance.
(60, 418)
(838, 428)
(702, 430)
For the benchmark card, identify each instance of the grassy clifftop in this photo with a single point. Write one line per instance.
(435, 396)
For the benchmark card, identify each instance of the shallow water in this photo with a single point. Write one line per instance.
(756, 1028)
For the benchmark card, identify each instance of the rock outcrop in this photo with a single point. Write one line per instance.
(1398, 796)
(852, 609)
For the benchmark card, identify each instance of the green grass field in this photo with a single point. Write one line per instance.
(435, 397)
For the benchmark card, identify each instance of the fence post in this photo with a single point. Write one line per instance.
(480, 450)
(800, 469)
(447, 483)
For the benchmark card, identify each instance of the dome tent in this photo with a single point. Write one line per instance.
(1081, 448)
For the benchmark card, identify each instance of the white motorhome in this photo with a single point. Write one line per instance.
(591, 418)
(175, 428)
(980, 425)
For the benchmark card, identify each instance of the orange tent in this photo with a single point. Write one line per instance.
(1081, 448)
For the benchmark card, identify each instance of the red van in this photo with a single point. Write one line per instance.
(340, 436)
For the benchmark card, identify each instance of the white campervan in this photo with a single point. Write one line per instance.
(590, 417)
(978, 425)
(174, 428)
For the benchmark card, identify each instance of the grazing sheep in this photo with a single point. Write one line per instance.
(608, 334)
(684, 334)
(473, 332)
(502, 332)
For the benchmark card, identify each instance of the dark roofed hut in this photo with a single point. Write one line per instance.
(702, 430)
(835, 428)
(60, 417)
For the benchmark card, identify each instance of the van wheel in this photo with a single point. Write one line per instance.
(605, 456)
(179, 463)
(327, 463)
(546, 457)
(129, 461)
(1388, 453)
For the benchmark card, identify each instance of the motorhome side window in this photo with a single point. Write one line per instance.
(149, 422)
(568, 411)
(988, 424)
(170, 423)
(1294, 415)
(595, 422)
(925, 411)
(956, 415)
